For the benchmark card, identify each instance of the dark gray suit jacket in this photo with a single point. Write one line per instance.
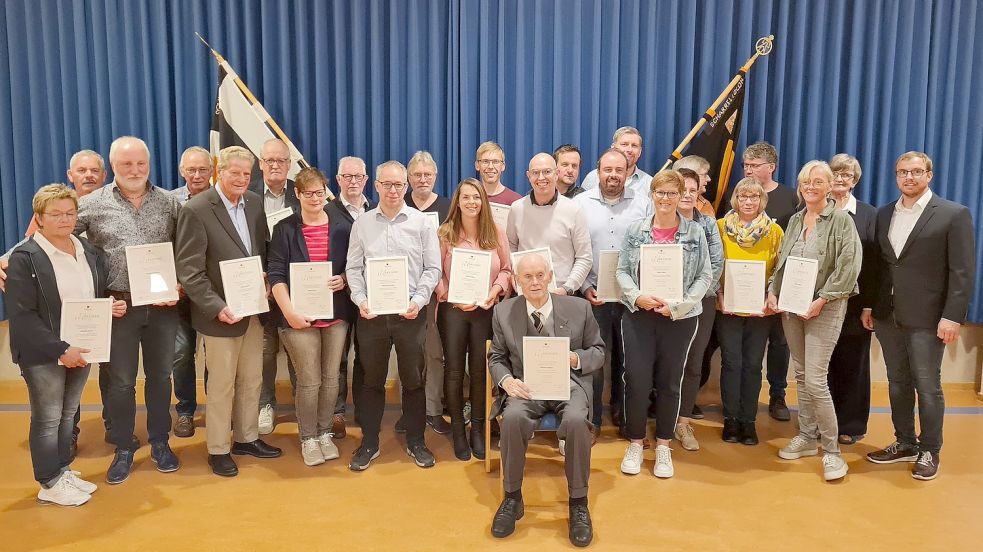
(572, 317)
(205, 237)
(933, 277)
(289, 198)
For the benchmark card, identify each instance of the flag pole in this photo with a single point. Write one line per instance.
(761, 48)
(253, 100)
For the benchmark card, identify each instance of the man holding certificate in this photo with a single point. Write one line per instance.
(609, 209)
(393, 268)
(130, 211)
(216, 227)
(544, 345)
(816, 273)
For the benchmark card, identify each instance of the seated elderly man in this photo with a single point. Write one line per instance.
(539, 313)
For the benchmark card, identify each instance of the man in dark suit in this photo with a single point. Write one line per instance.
(278, 193)
(224, 223)
(925, 273)
(540, 313)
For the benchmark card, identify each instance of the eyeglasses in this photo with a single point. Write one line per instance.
(352, 177)
(753, 166)
(690, 193)
(490, 162)
(276, 161)
(398, 186)
(813, 185)
(62, 216)
(542, 172)
(843, 176)
(422, 175)
(313, 193)
(917, 173)
(748, 198)
(666, 194)
(195, 172)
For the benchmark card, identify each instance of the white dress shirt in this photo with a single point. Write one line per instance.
(355, 210)
(903, 221)
(72, 274)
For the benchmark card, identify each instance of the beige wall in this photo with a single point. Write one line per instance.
(962, 362)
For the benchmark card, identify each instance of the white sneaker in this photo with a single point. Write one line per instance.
(834, 467)
(663, 462)
(79, 483)
(563, 447)
(310, 449)
(798, 447)
(328, 449)
(684, 434)
(63, 493)
(266, 420)
(631, 464)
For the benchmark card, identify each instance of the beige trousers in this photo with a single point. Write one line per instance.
(235, 375)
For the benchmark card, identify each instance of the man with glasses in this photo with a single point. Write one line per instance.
(489, 161)
(545, 218)
(627, 140)
(277, 193)
(348, 205)
(196, 169)
(392, 229)
(760, 161)
(924, 271)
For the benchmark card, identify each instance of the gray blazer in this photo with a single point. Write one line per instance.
(572, 317)
(205, 237)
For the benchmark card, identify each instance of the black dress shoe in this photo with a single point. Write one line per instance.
(749, 435)
(400, 426)
(778, 410)
(581, 530)
(223, 464)
(509, 511)
(697, 413)
(257, 448)
(478, 439)
(439, 425)
(459, 438)
(732, 430)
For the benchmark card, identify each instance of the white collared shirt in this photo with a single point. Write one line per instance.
(272, 202)
(851, 205)
(355, 210)
(72, 274)
(544, 311)
(904, 219)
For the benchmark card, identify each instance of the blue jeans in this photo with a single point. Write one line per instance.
(184, 367)
(54, 392)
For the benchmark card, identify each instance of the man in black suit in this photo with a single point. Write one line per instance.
(278, 194)
(925, 273)
(540, 313)
(349, 204)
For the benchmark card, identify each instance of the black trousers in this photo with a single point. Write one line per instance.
(656, 350)
(463, 336)
(849, 382)
(357, 373)
(376, 337)
(742, 348)
(608, 318)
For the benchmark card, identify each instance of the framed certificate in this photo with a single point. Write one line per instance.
(245, 289)
(434, 220)
(744, 286)
(309, 291)
(546, 367)
(388, 283)
(545, 252)
(88, 323)
(607, 288)
(661, 271)
(277, 216)
(151, 272)
(500, 214)
(798, 284)
(470, 276)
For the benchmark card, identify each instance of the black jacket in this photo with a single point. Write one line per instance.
(290, 198)
(34, 304)
(335, 208)
(865, 219)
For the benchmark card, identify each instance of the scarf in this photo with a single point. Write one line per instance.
(746, 236)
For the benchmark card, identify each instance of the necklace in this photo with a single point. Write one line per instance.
(132, 197)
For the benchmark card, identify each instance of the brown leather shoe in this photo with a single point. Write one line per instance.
(338, 427)
(184, 426)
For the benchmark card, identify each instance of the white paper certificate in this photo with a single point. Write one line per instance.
(151, 272)
(607, 288)
(545, 252)
(661, 271)
(88, 324)
(309, 292)
(245, 289)
(277, 216)
(744, 286)
(500, 214)
(546, 367)
(798, 284)
(434, 220)
(470, 277)
(388, 283)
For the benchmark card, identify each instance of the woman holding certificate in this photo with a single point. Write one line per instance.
(751, 241)
(306, 266)
(815, 275)
(477, 272)
(50, 269)
(664, 271)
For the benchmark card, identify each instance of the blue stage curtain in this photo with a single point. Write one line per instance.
(382, 79)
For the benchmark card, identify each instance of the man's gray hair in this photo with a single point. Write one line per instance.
(86, 153)
(348, 158)
(124, 140)
(390, 164)
(194, 149)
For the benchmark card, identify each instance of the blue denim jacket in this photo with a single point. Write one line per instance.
(716, 247)
(697, 271)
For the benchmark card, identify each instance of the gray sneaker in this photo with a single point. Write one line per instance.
(834, 467)
(684, 434)
(799, 447)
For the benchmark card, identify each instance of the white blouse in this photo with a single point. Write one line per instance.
(72, 273)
